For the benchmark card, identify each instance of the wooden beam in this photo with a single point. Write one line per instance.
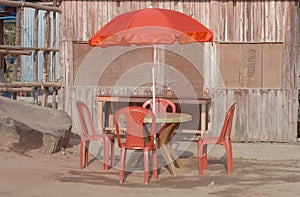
(8, 47)
(46, 49)
(30, 84)
(30, 5)
(7, 89)
(15, 52)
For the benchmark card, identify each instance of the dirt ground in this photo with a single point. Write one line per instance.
(260, 169)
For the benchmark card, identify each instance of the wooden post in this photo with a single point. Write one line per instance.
(54, 59)
(18, 43)
(45, 76)
(35, 56)
(2, 70)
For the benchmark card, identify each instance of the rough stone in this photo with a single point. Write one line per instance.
(25, 127)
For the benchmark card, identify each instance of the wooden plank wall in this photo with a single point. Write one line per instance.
(262, 114)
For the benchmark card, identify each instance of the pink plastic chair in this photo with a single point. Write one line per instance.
(223, 139)
(135, 138)
(86, 136)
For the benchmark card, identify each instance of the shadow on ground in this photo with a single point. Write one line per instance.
(246, 174)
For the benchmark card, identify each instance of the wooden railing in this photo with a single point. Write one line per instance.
(15, 86)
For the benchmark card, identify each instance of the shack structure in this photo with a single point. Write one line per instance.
(255, 53)
(252, 61)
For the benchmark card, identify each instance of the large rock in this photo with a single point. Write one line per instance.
(24, 127)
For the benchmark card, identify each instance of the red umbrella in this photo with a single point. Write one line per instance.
(151, 26)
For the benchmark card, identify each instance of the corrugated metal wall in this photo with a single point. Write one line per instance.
(28, 40)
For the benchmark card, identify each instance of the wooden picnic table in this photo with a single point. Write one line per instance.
(171, 122)
(204, 103)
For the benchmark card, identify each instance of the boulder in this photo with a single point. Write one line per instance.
(24, 127)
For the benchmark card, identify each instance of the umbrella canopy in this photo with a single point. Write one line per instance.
(151, 26)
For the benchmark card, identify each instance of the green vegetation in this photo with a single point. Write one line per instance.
(9, 33)
(9, 39)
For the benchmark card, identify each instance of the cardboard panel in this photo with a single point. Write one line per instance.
(230, 62)
(246, 65)
(273, 65)
(251, 67)
(80, 50)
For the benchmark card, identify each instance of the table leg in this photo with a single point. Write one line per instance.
(168, 159)
(209, 116)
(174, 156)
(100, 116)
(166, 150)
(203, 118)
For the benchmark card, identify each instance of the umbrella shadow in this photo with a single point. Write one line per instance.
(74, 140)
(218, 161)
(135, 164)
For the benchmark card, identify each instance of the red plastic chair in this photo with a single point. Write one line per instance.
(223, 139)
(161, 105)
(135, 138)
(86, 136)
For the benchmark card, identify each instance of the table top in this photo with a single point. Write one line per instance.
(137, 98)
(163, 117)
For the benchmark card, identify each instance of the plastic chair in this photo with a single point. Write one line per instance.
(223, 139)
(161, 105)
(135, 138)
(86, 136)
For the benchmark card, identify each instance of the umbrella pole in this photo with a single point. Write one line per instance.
(153, 80)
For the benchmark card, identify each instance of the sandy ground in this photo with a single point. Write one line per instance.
(260, 169)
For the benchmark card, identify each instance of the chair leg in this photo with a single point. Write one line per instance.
(146, 165)
(80, 155)
(122, 163)
(200, 157)
(112, 151)
(228, 149)
(105, 153)
(86, 153)
(204, 154)
(154, 164)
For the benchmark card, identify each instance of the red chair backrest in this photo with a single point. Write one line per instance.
(161, 105)
(85, 119)
(226, 129)
(134, 118)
